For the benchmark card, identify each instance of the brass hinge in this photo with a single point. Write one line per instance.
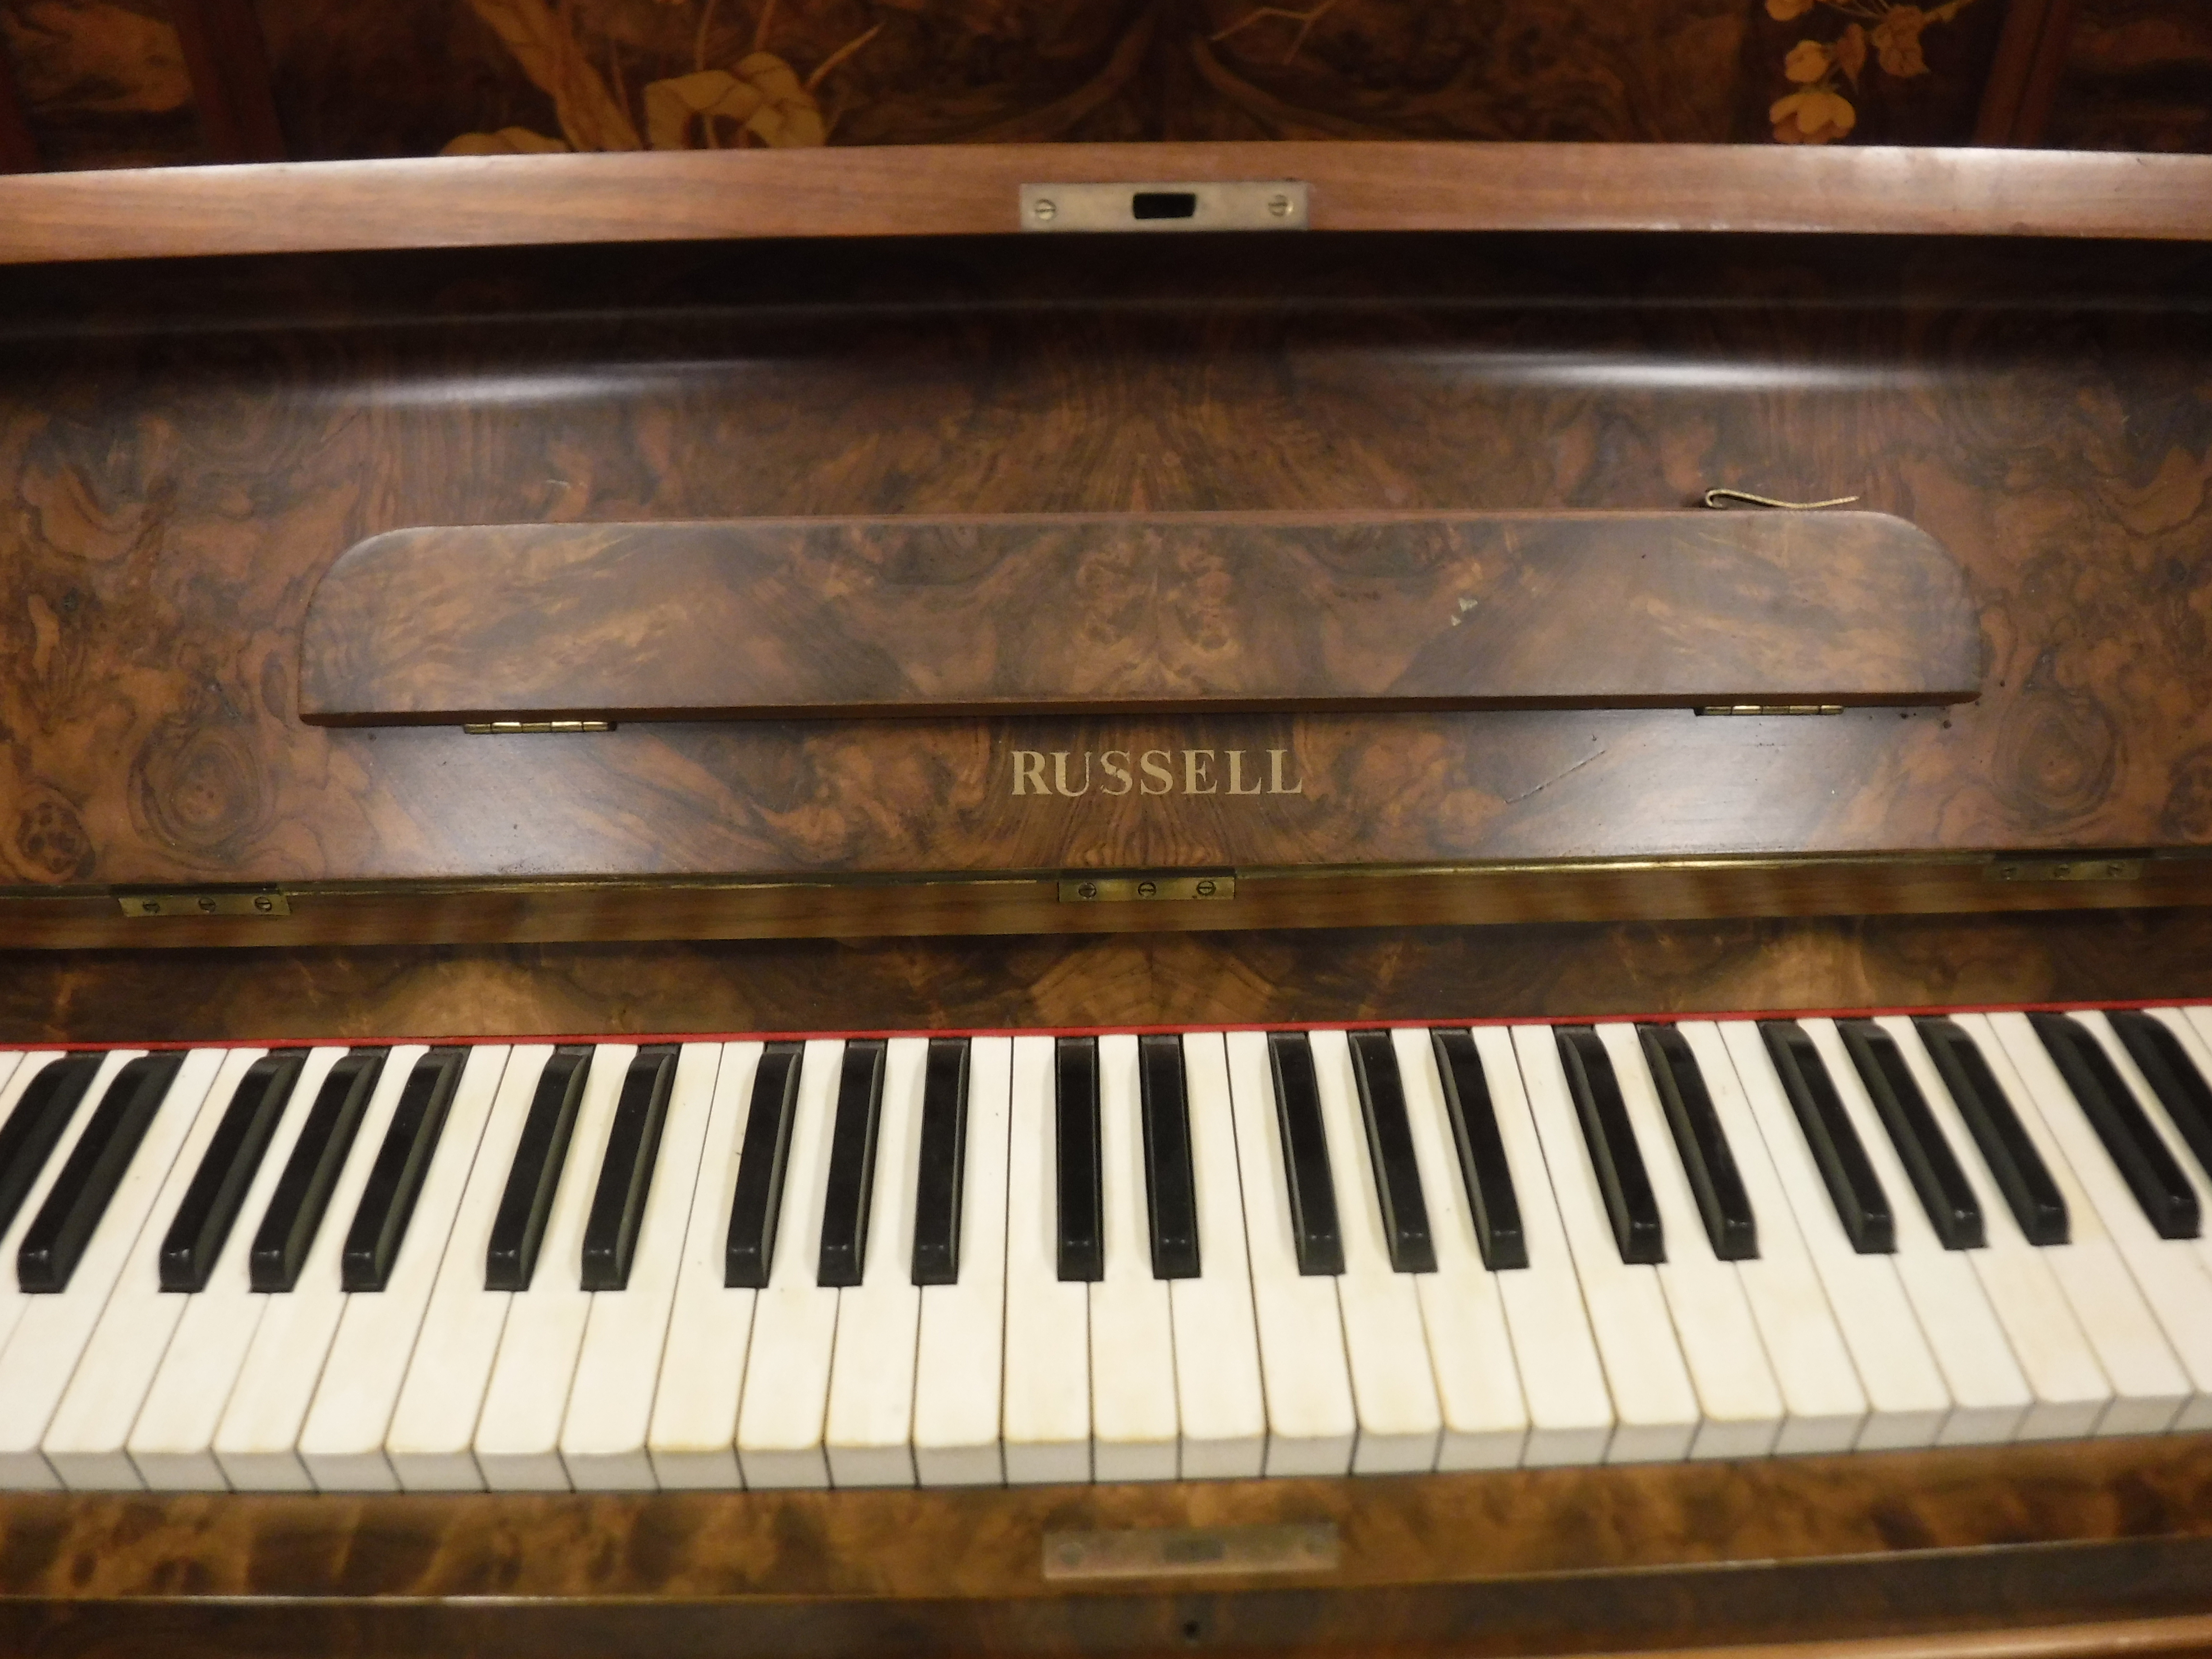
(1774, 708)
(2062, 870)
(1116, 889)
(230, 903)
(519, 728)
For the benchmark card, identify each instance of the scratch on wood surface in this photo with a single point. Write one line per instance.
(1513, 801)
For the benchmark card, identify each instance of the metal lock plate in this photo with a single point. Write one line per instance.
(1254, 204)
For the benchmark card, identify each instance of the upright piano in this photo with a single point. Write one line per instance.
(774, 900)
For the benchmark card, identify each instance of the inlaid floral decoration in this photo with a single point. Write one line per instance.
(759, 99)
(1826, 73)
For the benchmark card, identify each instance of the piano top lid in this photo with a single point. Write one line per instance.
(924, 190)
(1144, 614)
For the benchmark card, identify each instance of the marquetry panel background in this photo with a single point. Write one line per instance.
(133, 83)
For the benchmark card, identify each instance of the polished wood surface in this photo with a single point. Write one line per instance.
(1151, 615)
(486, 911)
(180, 479)
(1436, 1530)
(1530, 971)
(681, 196)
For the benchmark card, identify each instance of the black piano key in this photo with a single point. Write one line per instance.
(42, 1111)
(2006, 1150)
(395, 1180)
(943, 1157)
(1082, 1199)
(757, 1201)
(626, 1171)
(203, 1220)
(541, 1153)
(1707, 1160)
(1622, 1180)
(2172, 1077)
(1861, 1204)
(63, 1225)
(852, 1179)
(1482, 1166)
(303, 1191)
(1170, 1183)
(1929, 1164)
(1390, 1151)
(2142, 1158)
(1313, 1228)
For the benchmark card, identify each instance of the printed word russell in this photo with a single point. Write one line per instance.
(1156, 772)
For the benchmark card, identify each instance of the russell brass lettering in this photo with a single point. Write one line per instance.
(1070, 773)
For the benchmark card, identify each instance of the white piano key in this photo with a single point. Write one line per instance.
(85, 1443)
(49, 1336)
(2168, 1272)
(785, 1406)
(8, 1061)
(2194, 1022)
(343, 1440)
(1306, 1384)
(693, 1436)
(1824, 1408)
(518, 1436)
(1990, 1397)
(870, 1427)
(604, 1435)
(258, 1441)
(1739, 1402)
(2149, 1386)
(1653, 1402)
(172, 1443)
(2070, 1393)
(1571, 1418)
(434, 1422)
(959, 1365)
(1133, 1421)
(1907, 1400)
(1392, 1382)
(1047, 1427)
(2185, 1158)
(55, 1329)
(1472, 1355)
(1218, 1403)
(13, 1300)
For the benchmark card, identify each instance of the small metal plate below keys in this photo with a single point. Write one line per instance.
(1193, 1551)
(1253, 204)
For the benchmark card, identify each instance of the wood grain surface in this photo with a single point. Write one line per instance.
(921, 190)
(1530, 971)
(183, 449)
(1871, 1545)
(979, 1543)
(1151, 615)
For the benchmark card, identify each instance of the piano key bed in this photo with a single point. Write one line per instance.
(1018, 1259)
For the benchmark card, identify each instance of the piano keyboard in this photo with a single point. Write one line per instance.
(957, 1261)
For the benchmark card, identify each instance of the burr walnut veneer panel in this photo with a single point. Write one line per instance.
(184, 450)
(1150, 614)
